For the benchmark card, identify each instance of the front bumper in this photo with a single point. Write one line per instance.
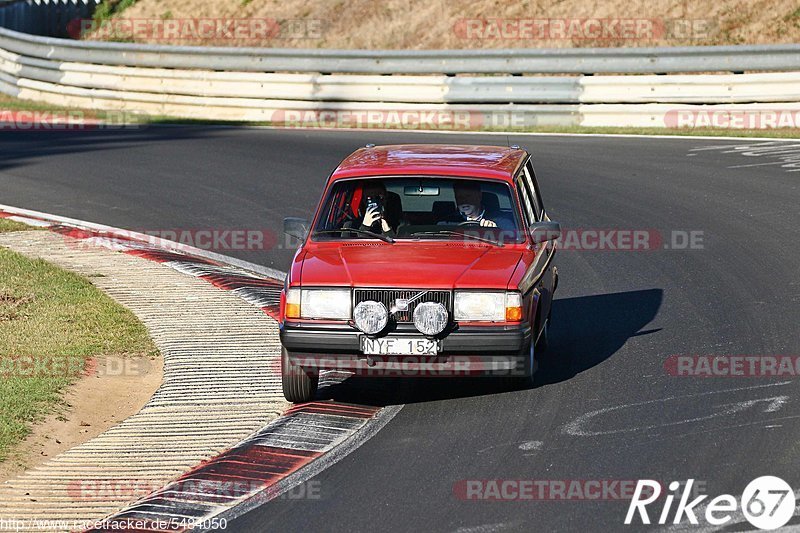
(471, 350)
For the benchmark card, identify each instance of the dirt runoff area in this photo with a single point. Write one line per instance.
(115, 389)
(73, 362)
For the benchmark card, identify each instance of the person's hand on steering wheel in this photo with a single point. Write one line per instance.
(484, 223)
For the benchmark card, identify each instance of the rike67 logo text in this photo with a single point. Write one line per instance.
(767, 503)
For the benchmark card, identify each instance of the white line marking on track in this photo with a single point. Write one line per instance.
(531, 445)
(788, 155)
(576, 427)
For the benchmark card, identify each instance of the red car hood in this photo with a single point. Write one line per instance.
(412, 265)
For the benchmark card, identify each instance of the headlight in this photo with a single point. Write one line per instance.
(331, 304)
(430, 318)
(370, 317)
(488, 306)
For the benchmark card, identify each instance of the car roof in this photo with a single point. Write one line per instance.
(495, 162)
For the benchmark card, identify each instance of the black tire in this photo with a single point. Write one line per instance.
(528, 370)
(299, 384)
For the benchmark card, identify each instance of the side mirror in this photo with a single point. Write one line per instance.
(545, 231)
(296, 227)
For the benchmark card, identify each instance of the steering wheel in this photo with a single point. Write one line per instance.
(470, 223)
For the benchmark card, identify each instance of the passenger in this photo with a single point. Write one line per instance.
(376, 216)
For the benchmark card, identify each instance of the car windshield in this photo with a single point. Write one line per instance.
(419, 208)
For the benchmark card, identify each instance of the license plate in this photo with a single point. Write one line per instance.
(398, 346)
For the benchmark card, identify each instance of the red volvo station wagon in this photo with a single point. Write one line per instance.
(429, 258)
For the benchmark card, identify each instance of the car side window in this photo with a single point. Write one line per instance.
(533, 191)
(525, 201)
(534, 188)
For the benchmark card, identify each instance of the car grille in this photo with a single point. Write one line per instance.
(388, 297)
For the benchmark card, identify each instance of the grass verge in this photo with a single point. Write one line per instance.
(784, 133)
(11, 103)
(51, 322)
(7, 225)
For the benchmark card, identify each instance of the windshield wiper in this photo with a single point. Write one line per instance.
(458, 234)
(384, 238)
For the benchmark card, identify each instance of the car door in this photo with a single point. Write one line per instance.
(539, 278)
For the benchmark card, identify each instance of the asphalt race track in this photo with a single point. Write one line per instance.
(605, 407)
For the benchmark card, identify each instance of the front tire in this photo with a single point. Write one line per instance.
(299, 384)
(529, 367)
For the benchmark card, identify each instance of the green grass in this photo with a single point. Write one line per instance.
(11, 225)
(16, 104)
(109, 8)
(718, 132)
(8, 102)
(49, 315)
(786, 133)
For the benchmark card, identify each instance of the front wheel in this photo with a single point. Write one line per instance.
(299, 384)
(528, 369)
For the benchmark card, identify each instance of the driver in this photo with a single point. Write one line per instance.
(469, 200)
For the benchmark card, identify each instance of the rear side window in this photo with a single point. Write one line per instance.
(525, 201)
(533, 188)
(532, 192)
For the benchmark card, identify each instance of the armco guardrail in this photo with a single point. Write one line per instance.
(278, 85)
(725, 88)
(521, 61)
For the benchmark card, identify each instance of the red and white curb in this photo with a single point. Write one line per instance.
(305, 440)
(258, 285)
(280, 456)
